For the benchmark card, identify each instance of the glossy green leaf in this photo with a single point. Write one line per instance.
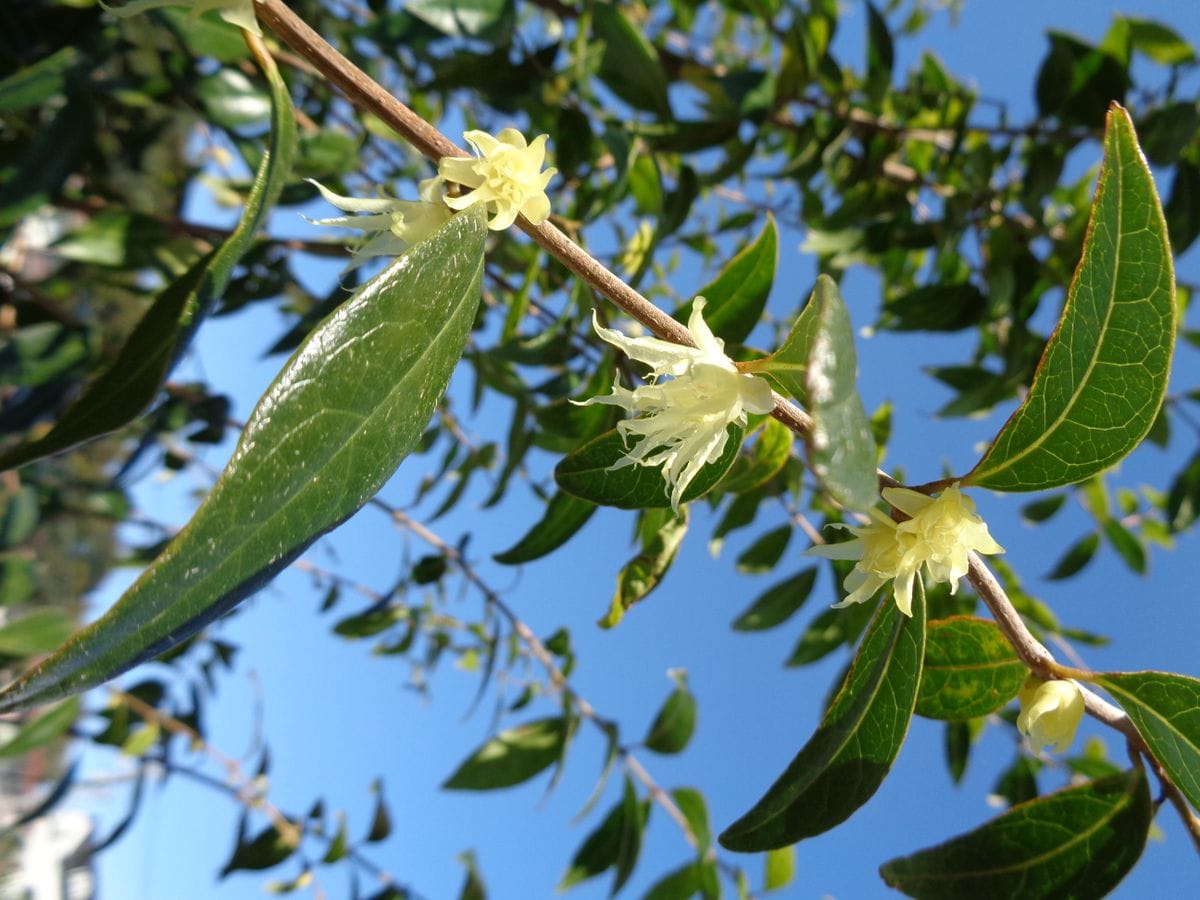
(1076, 557)
(787, 365)
(1165, 709)
(232, 100)
(660, 532)
(588, 473)
(676, 720)
(462, 18)
(1043, 510)
(970, 669)
(39, 631)
(768, 454)
(738, 295)
(778, 603)
(853, 749)
(564, 516)
(1078, 842)
(44, 728)
(329, 432)
(841, 444)
(511, 757)
(1102, 376)
(128, 386)
(629, 65)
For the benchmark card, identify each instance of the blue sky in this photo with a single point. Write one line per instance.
(336, 717)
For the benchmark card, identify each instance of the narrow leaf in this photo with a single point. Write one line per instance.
(1165, 709)
(661, 533)
(844, 763)
(511, 757)
(629, 65)
(738, 295)
(49, 726)
(1101, 379)
(778, 603)
(1076, 557)
(564, 516)
(127, 387)
(970, 669)
(329, 432)
(1079, 842)
(591, 474)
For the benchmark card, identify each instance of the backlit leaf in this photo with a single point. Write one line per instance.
(511, 757)
(970, 669)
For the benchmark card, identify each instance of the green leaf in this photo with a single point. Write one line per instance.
(462, 18)
(1165, 709)
(660, 532)
(589, 473)
(564, 516)
(1160, 43)
(1127, 546)
(325, 437)
(841, 444)
(1043, 510)
(37, 83)
(676, 720)
(1102, 376)
(1079, 842)
(613, 844)
(738, 295)
(1077, 556)
(970, 669)
(266, 849)
(340, 843)
(629, 65)
(846, 760)
(695, 810)
(49, 726)
(767, 456)
(128, 386)
(680, 884)
(765, 552)
(779, 868)
(778, 603)
(787, 365)
(232, 100)
(511, 757)
(381, 820)
(37, 632)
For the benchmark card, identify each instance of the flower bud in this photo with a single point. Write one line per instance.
(1050, 712)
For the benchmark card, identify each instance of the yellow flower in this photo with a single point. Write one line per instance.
(507, 176)
(694, 394)
(394, 224)
(1050, 712)
(936, 540)
(235, 12)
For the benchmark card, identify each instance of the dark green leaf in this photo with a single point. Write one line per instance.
(339, 845)
(1128, 546)
(970, 669)
(614, 844)
(52, 798)
(1165, 709)
(381, 820)
(1079, 842)
(680, 884)
(1183, 206)
(1042, 510)
(588, 473)
(49, 158)
(841, 445)
(1018, 782)
(880, 52)
(633, 823)
(844, 763)
(34, 84)
(511, 757)
(660, 532)
(629, 65)
(1103, 373)
(462, 18)
(328, 433)
(37, 732)
(266, 849)
(564, 516)
(938, 307)
(694, 808)
(778, 603)
(1077, 556)
(765, 552)
(676, 721)
(128, 386)
(738, 295)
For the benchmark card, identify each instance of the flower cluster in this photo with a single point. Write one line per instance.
(394, 225)
(235, 12)
(1050, 712)
(936, 540)
(507, 177)
(693, 395)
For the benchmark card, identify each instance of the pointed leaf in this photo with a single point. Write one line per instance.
(778, 603)
(769, 454)
(1077, 556)
(329, 432)
(1079, 842)
(738, 295)
(127, 387)
(1101, 379)
(970, 669)
(676, 721)
(1165, 709)
(37, 632)
(511, 757)
(564, 516)
(266, 849)
(589, 473)
(841, 444)
(49, 726)
(381, 820)
(661, 532)
(629, 65)
(844, 763)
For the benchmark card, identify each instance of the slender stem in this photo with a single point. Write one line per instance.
(368, 95)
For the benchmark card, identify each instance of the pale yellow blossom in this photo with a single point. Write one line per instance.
(507, 177)
(235, 12)
(693, 395)
(392, 225)
(1050, 712)
(935, 541)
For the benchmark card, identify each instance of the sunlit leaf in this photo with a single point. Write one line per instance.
(511, 757)
(737, 296)
(970, 669)
(564, 516)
